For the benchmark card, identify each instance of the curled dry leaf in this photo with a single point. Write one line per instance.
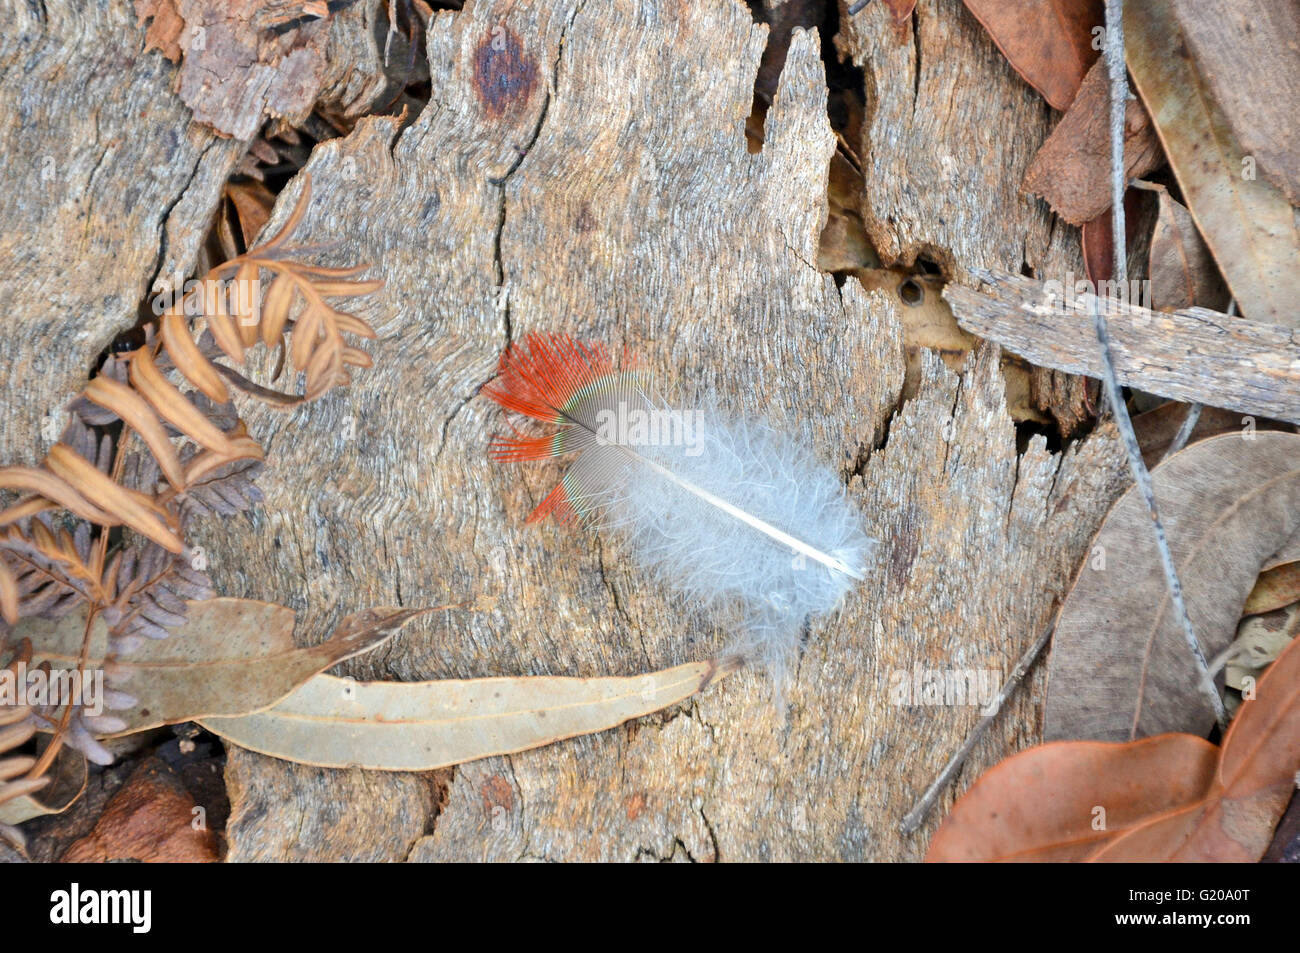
(229, 657)
(1181, 268)
(1248, 223)
(1048, 42)
(1260, 640)
(52, 793)
(1275, 588)
(1071, 170)
(418, 726)
(1252, 785)
(1120, 667)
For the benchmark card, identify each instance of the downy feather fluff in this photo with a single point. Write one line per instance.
(726, 509)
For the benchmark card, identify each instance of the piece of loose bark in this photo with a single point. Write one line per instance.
(1192, 355)
(1072, 169)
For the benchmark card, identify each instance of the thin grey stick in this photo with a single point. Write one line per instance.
(1193, 416)
(1118, 75)
(1185, 431)
(917, 814)
(858, 7)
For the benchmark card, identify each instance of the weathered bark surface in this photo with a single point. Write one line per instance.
(950, 131)
(590, 174)
(110, 188)
(108, 185)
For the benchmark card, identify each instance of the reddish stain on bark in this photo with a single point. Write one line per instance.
(504, 73)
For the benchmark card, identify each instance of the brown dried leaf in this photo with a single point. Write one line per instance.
(1246, 50)
(229, 657)
(1048, 42)
(1120, 667)
(187, 357)
(1072, 168)
(1063, 801)
(136, 510)
(1248, 223)
(1181, 269)
(172, 405)
(136, 413)
(1253, 784)
(1275, 588)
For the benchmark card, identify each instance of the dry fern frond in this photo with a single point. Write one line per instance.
(16, 729)
(141, 456)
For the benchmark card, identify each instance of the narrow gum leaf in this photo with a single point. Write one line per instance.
(418, 726)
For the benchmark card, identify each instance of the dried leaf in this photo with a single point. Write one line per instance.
(54, 793)
(1063, 801)
(1072, 168)
(1275, 588)
(1120, 667)
(1253, 784)
(418, 726)
(1247, 222)
(135, 412)
(136, 510)
(1260, 639)
(229, 657)
(171, 404)
(1246, 51)
(1048, 42)
(1181, 269)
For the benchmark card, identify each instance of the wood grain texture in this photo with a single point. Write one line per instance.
(108, 186)
(1195, 355)
(591, 174)
(950, 131)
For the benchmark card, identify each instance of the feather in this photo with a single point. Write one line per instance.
(725, 509)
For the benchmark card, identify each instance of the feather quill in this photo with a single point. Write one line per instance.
(725, 509)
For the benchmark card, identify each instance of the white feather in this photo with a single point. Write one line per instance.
(728, 510)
